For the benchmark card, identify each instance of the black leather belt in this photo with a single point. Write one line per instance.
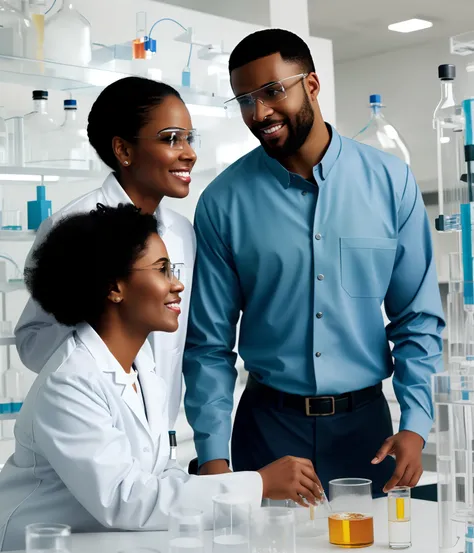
(317, 406)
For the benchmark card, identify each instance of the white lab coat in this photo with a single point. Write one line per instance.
(38, 334)
(86, 455)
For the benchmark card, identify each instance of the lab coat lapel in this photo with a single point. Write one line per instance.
(153, 388)
(114, 371)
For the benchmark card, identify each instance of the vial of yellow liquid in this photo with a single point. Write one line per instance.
(399, 518)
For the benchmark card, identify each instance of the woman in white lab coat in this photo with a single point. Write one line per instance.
(142, 131)
(91, 440)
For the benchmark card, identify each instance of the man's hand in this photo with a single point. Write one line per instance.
(291, 478)
(406, 447)
(218, 466)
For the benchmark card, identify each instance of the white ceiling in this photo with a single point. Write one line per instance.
(358, 28)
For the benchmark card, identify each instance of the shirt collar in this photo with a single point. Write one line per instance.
(320, 171)
(105, 360)
(115, 195)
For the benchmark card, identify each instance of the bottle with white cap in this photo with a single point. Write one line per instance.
(381, 134)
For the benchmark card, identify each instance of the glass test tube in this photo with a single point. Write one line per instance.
(399, 518)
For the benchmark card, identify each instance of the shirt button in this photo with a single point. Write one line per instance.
(319, 315)
(318, 354)
(318, 236)
(304, 192)
(320, 277)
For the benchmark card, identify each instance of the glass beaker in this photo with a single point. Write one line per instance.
(273, 530)
(41, 538)
(11, 219)
(351, 522)
(231, 524)
(399, 518)
(186, 531)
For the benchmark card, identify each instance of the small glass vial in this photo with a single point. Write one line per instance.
(399, 518)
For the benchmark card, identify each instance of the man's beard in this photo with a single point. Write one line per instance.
(298, 131)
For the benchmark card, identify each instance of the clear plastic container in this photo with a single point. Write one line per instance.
(448, 122)
(231, 524)
(381, 134)
(69, 145)
(186, 531)
(67, 36)
(15, 27)
(453, 395)
(4, 145)
(273, 530)
(38, 127)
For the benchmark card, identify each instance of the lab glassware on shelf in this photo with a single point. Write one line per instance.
(67, 36)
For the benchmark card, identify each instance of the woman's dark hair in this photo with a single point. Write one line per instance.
(82, 258)
(122, 110)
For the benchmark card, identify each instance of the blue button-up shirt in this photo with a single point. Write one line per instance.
(309, 273)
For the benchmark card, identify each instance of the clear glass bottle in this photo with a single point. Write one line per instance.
(381, 134)
(69, 143)
(448, 122)
(35, 10)
(67, 36)
(15, 27)
(4, 147)
(38, 128)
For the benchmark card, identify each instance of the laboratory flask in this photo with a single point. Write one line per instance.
(381, 134)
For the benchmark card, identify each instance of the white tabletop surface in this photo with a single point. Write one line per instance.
(424, 535)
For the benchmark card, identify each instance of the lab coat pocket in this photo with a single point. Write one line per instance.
(366, 265)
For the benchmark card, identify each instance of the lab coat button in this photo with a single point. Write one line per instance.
(319, 315)
(318, 354)
(146, 450)
(318, 236)
(320, 277)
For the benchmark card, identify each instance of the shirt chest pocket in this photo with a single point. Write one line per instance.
(366, 265)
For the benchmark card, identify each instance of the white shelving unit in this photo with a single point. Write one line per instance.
(17, 235)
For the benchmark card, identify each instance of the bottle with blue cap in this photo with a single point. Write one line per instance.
(71, 148)
(381, 134)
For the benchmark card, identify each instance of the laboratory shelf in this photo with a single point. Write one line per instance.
(17, 235)
(7, 340)
(49, 75)
(463, 44)
(14, 173)
(54, 76)
(12, 286)
(8, 416)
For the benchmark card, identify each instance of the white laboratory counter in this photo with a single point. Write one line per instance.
(424, 536)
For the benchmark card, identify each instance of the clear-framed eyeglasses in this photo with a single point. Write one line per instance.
(268, 95)
(172, 271)
(176, 138)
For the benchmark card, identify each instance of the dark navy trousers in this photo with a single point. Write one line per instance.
(340, 446)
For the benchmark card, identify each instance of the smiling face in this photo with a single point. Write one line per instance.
(161, 158)
(150, 298)
(281, 127)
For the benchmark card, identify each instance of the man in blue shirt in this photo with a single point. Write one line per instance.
(306, 236)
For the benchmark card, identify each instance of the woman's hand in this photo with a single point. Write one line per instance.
(291, 478)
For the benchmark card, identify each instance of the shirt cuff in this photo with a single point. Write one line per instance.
(212, 449)
(416, 421)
